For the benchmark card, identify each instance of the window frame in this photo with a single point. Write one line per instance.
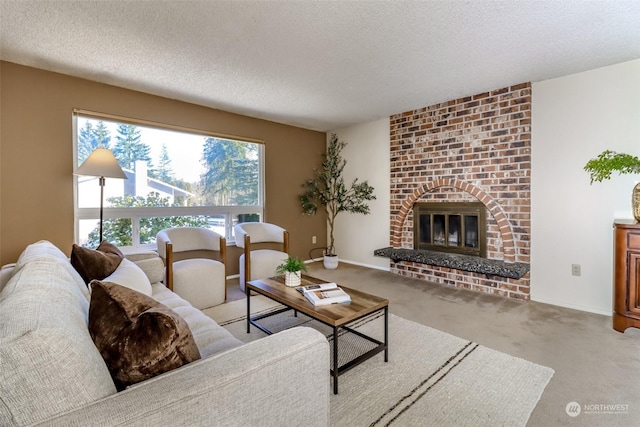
(135, 214)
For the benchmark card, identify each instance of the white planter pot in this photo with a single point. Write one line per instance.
(292, 278)
(330, 262)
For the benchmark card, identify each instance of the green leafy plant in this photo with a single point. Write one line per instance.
(608, 161)
(291, 265)
(328, 189)
(118, 230)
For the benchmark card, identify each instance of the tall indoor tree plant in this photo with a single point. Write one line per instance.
(328, 189)
(607, 162)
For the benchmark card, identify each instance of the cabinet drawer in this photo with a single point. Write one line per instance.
(633, 241)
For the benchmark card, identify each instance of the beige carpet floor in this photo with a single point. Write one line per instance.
(594, 365)
(431, 378)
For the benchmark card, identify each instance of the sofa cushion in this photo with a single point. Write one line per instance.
(210, 337)
(48, 362)
(137, 336)
(96, 264)
(129, 275)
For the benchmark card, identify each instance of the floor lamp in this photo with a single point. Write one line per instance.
(103, 164)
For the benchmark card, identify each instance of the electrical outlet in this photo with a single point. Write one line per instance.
(575, 269)
(313, 240)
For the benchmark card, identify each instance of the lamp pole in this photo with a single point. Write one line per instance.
(101, 182)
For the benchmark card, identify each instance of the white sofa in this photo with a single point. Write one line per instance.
(52, 374)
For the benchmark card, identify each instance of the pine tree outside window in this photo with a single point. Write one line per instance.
(176, 177)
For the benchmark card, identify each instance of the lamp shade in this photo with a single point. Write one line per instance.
(101, 163)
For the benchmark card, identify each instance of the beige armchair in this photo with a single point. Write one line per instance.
(265, 247)
(194, 260)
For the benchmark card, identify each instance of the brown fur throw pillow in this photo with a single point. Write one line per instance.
(96, 264)
(137, 336)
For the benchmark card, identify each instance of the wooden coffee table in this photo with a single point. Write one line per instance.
(336, 316)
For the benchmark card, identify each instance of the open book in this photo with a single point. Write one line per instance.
(324, 294)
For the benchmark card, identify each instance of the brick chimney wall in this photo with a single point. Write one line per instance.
(469, 149)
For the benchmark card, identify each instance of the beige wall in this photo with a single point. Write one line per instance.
(36, 155)
(357, 236)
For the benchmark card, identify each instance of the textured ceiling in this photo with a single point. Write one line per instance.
(319, 64)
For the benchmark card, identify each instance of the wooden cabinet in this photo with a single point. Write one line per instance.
(626, 297)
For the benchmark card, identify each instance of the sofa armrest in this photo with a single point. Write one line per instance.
(137, 255)
(149, 262)
(282, 379)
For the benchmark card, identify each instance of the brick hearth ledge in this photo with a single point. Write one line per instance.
(490, 267)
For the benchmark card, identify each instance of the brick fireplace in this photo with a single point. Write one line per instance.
(472, 149)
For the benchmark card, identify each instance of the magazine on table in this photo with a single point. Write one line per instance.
(324, 294)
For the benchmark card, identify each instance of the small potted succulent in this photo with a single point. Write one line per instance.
(608, 161)
(292, 269)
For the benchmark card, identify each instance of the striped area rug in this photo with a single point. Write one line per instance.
(432, 378)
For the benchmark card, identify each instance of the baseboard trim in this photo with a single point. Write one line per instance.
(361, 264)
(574, 306)
(346, 261)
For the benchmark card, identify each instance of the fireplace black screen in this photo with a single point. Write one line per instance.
(451, 227)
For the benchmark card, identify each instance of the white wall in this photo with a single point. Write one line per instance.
(575, 118)
(367, 155)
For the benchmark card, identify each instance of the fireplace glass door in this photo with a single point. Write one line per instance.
(450, 227)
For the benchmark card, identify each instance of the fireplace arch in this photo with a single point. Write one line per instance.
(494, 209)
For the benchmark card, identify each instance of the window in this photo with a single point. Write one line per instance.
(175, 177)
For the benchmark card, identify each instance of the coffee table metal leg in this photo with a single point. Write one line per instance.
(335, 360)
(248, 312)
(386, 334)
